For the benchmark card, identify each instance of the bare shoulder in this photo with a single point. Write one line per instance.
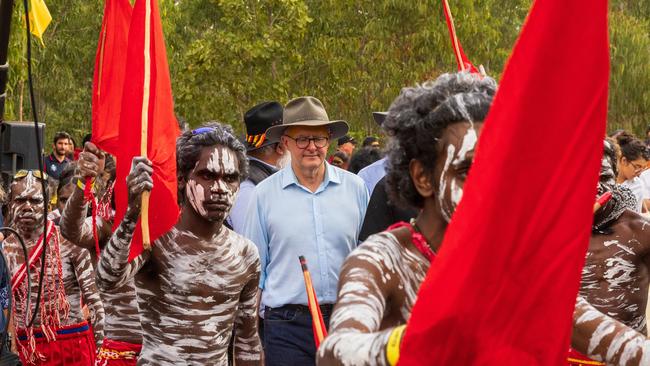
(378, 250)
(246, 247)
(636, 226)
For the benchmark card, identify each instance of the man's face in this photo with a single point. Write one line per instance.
(61, 146)
(347, 148)
(456, 154)
(213, 184)
(63, 196)
(26, 205)
(311, 156)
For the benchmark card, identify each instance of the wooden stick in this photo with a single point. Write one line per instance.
(144, 213)
(320, 332)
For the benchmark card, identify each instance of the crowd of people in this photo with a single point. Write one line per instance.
(224, 284)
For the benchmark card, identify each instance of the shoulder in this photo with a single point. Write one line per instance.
(350, 179)
(274, 181)
(378, 247)
(634, 221)
(246, 246)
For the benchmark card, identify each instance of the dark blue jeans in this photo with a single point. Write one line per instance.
(288, 335)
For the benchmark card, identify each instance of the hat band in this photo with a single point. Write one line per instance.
(256, 140)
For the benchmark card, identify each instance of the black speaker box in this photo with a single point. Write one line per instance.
(18, 146)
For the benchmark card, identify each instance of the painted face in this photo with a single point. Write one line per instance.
(63, 196)
(213, 184)
(26, 205)
(310, 157)
(457, 144)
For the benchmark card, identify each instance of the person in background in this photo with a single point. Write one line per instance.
(264, 157)
(340, 160)
(57, 160)
(631, 163)
(364, 157)
(347, 144)
(370, 141)
(375, 171)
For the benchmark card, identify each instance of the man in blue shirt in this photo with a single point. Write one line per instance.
(311, 209)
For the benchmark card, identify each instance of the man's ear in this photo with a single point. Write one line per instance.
(421, 179)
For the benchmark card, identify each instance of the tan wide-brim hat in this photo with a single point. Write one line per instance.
(306, 111)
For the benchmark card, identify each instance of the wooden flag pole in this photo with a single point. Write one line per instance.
(144, 213)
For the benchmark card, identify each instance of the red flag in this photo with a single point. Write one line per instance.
(147, 106)
(503, 287)
(109, 74)
(463, 62)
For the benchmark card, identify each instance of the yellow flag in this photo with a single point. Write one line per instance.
(39, 18)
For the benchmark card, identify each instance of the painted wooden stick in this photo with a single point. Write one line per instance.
(318, 325)
(602, 200)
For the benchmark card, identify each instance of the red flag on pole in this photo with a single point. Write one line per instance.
(108, 79)
(504, 285)
(148, 124)
(463, 62)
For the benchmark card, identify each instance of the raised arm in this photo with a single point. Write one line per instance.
(114, 268)
(83, 268)
(354, 336)
(248, 348)
(75, 226)
(604, 339)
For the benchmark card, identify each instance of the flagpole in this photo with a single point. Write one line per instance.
(146, 242)
(6, 7)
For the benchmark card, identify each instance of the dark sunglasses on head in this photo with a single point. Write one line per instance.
(37, 173)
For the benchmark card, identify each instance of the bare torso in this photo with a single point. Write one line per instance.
(78, 282)
(615, 276)
(377, 290)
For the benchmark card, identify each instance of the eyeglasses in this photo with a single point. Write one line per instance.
(637, 167)
(302, 142)
(37, 173)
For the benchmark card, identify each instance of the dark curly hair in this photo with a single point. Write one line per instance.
(190, 144)
(631, 147)
(417, 119)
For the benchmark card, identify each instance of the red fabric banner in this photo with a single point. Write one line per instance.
(504, 285)
(109, 74)
(147, 96)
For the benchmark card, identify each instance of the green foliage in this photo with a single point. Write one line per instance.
(227, 55)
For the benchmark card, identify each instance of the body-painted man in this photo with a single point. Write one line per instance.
(433, 131)
(60, 331)
(200, 278)
(607, 340)
(615, 277)
(122, 332)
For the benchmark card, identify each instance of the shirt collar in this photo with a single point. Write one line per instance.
(332, 175)
(262, 161)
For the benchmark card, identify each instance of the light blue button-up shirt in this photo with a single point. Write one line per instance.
(286, 220)
(373, 173)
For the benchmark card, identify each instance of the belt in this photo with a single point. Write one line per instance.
(324, 308)
(67, 330)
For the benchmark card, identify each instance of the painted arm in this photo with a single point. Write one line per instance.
(355, 337)
(83, 269)
(604, 339)
(75, 226)
(114, 268)
(247, 345)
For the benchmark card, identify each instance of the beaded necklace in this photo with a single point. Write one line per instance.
(417, 238)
